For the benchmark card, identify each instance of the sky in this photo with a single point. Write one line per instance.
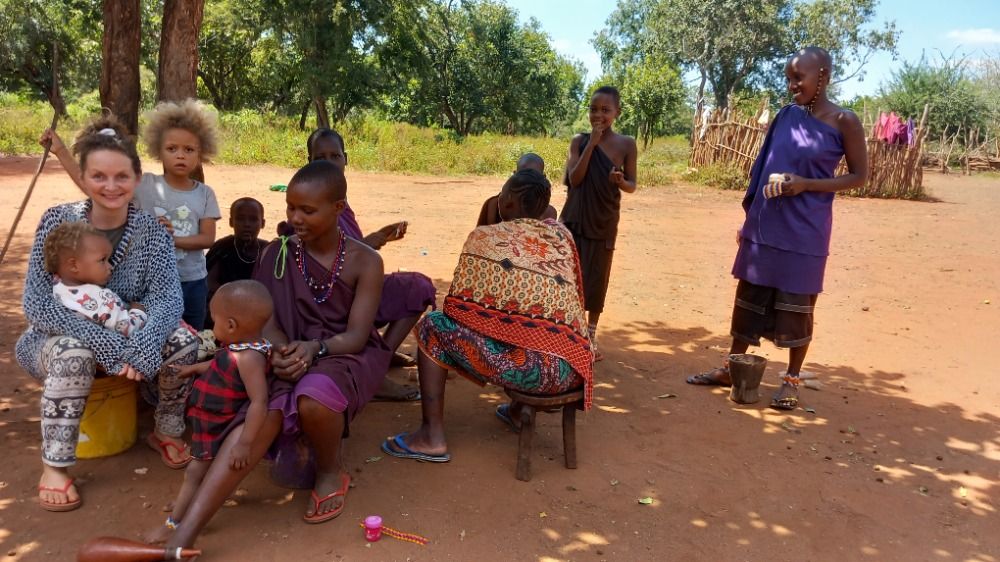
(966, 28)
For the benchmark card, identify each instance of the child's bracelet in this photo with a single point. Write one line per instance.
(170, 523)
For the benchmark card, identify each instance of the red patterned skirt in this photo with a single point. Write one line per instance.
(482, 359)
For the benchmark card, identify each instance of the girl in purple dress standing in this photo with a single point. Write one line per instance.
(785, 239)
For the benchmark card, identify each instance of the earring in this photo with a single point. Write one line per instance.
(819, 88)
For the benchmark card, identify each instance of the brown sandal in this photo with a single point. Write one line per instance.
(787, 403)
(707, 378)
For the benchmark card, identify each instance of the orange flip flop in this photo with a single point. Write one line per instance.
(163, 447)
(345, 483)
(59, 507)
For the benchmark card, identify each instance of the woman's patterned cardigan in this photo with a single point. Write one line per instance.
(144, 270)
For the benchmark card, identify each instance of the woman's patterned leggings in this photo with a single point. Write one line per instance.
(66, 367)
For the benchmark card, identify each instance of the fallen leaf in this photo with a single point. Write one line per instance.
(667, 395)
(646, 501)
(787, 427)
(543, 514)
(615, 482)
(962, 491)
(370, 460)
(141, 471)
(923, 489)
(810, 410)
(987, 301)
(461, 536)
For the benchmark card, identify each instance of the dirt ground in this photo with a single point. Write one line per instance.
(898, 459)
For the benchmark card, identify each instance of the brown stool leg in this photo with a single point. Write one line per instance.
(524, 443)
(569, 434)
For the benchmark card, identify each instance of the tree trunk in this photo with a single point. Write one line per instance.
(322, 115)
(698, 107)
(120, 61)
(213, 91)
(305, 113)
(177, 75)
(449, 113)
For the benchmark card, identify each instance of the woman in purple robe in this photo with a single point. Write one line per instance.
(329, 359)
(406, 295)
(785, 239)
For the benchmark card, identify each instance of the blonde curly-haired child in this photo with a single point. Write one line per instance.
(181, 135)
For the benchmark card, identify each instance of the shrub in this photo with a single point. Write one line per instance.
(719, 175)
(251, 137)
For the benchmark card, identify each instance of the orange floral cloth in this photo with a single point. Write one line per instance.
(519, 282)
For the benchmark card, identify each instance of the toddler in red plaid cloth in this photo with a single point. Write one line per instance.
(227, 407)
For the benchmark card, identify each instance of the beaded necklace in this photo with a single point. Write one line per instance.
(324, 287)
(236, 246)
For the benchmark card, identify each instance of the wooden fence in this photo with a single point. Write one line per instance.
(965, 149)
(894, 170)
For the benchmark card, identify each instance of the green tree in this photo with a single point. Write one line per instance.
(986, 79)
(229, 39)
(343, 47)
(650, 84)
(737, 44)
(481, 70)
(652, 99)
(651, 93)
(954, 99)
(842, 28)
(623, 40)
(30, 27)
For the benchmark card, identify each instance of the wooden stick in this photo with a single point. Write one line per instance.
(45, 154)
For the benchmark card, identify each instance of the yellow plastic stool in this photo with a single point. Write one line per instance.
(108, 426)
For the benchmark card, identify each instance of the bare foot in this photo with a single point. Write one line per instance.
(392, 391)
(598, 356)
(54, 488)
(402, 360)
(158, 535)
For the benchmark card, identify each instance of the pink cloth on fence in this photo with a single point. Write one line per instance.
(892, 129)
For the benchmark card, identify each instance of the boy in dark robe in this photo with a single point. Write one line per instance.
(234, 257)
(601, 165)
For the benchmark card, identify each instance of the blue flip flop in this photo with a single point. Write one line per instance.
(503, 414)
(403, 452)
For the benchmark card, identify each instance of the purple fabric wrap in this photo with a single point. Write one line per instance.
(771, 267)
(349, 223)
(404, 294)
(783, 236)
(356, 376)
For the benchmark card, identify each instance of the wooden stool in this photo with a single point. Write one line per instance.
(569, 402)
